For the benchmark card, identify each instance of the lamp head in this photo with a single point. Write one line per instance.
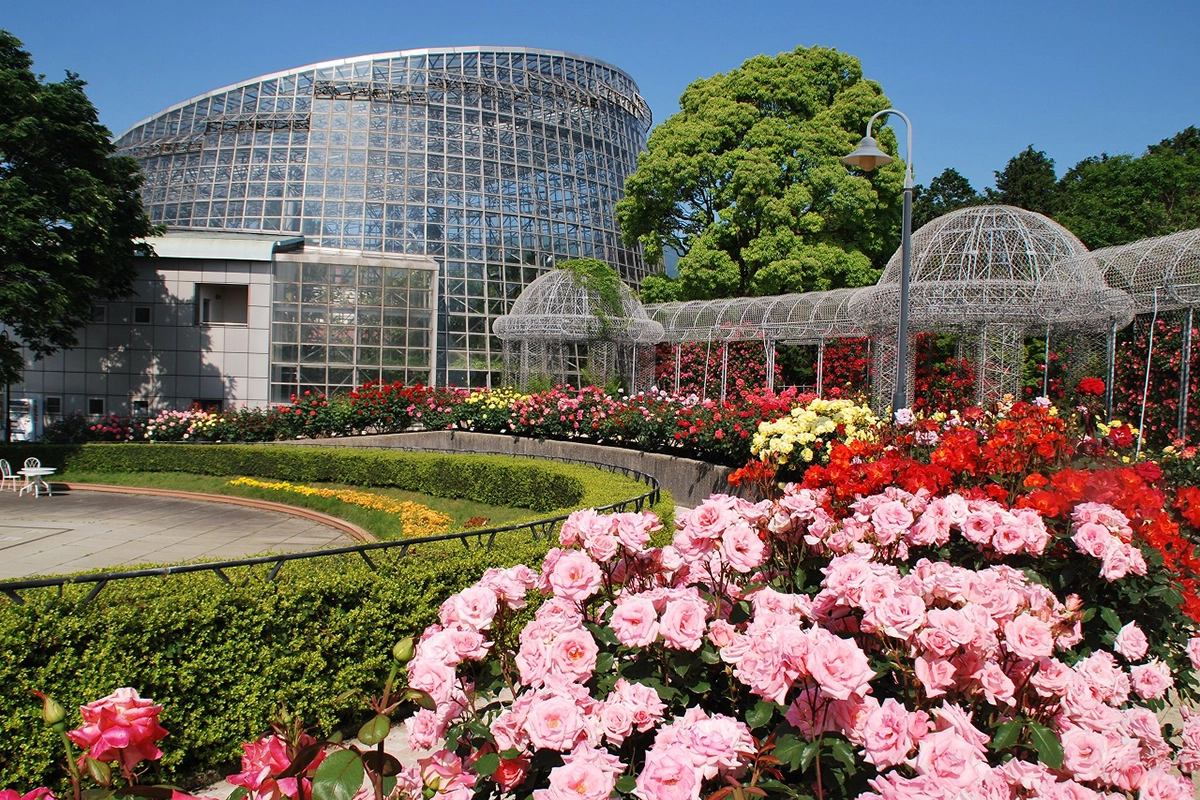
(867, 156)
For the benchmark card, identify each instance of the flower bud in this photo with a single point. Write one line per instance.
(52, 713)
(403, 651)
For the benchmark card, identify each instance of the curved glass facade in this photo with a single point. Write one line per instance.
(493, 162)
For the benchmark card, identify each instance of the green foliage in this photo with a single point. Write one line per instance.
(70, 213)
(747, 176)
(602, 283)
(659, 288)
(221, 658)
(1110, 200)
(947, 192)
(496, 480)
(1027, 181)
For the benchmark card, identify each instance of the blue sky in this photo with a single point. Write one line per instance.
(980, 80)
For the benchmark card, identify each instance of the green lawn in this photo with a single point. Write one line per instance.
(383, 525)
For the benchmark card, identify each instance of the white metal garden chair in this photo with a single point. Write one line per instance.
(7, 475)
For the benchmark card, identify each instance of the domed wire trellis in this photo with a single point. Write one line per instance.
(993, 275)
(560, 332)
(1160, 275)
(811, 318)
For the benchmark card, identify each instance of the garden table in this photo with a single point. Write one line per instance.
(35, 479)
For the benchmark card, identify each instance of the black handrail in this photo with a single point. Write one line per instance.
(539, 529)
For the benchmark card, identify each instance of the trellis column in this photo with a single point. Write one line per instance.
(724, 370)
(769, 346)
(1185, 376)
(821, 368)
(1000, 349)
(678, 364)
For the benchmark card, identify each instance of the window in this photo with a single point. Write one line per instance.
(222, 304)
(141, 315)
(99, 314)
(96, 406)
(54, 405)
(141, 408)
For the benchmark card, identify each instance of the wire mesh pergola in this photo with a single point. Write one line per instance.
(558, 331)
(811, 318)
(1161, 276)
(993, 275)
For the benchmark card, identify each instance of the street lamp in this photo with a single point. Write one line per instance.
(7, 414)
(867, 156)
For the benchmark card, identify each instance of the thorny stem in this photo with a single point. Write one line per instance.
(71, 766)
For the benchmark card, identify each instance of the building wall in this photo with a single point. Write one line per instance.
(494, 162)
(232, 332)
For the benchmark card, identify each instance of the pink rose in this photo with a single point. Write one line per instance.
(263, 760)
(474, 607)
(839, 667)
(1193, 651)
(445, 772)
(1151, 681)
(997, 687)
(1093, 539)
(578, 780)
(1131, 642)
(742, 549)
(634, 621)
(573, 654)
(1028, 637)
(121, 727)
(554, 723)
(1084, 753)
(935, 674)
(950, 760)
(425, 729)
(1161, 785)
(892, 520)
(573, 576)
(668, 775)
(886, 736)
(684, 621)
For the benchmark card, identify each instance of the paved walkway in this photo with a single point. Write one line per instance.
(83, 530)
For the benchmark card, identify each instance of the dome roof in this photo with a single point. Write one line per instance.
(556, 307)
(994, 264)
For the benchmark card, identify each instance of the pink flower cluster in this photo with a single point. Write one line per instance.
(264, 760)
(953, 651)
(1104, 534)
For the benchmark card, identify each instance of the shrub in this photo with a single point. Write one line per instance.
(221, 658)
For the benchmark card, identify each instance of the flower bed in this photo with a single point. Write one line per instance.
(966, 605)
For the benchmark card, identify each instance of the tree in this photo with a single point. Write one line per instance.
(746, 180)
(1110, 200)
(1027, 181)
(71, 218)
(947, 192)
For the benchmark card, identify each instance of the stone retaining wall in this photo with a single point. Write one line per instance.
(688, 481)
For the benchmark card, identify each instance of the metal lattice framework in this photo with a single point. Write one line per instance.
(1160, 275)
(992, 274)
(560, 331)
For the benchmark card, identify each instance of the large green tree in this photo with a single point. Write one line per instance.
(746, 182)
(947, 192)
(1027, 181)
(1109, 200)
(70, 213)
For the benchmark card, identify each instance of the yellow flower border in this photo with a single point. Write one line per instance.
(417, 520)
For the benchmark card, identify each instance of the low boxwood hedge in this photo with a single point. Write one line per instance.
(222, 658)
(497, 480)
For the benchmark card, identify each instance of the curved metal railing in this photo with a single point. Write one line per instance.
(482, 537)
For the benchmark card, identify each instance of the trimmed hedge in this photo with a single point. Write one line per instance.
(496, 480)
(219, 658)
(222, 658)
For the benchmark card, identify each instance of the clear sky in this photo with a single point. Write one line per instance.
(980, 80)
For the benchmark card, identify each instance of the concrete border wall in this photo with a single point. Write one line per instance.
(688, 481)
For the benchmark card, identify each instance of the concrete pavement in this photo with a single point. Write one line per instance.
(76, 530)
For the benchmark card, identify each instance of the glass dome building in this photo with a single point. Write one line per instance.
(490, 162)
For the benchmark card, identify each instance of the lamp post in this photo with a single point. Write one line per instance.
(867, 156)
(7, 414)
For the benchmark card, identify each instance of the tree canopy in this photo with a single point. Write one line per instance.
(1027, 181)
(747, 185)
(70, 212)
(1108, 200)
(947, 192)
